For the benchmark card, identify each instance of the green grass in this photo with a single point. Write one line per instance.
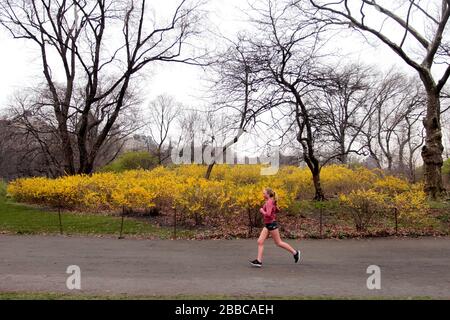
(2, 190)
(309, 207)
(66, 296)
(440, 205)
(443, 209)
(22, 219)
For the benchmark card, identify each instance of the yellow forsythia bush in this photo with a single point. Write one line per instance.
(198, 198)
(341, 179)
(412, 204)
(386, 195)
(58, 192)
(409, 200)
(363, 206)
(391, 185)
(231, 190)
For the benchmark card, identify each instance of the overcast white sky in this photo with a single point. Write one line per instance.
(20, 64)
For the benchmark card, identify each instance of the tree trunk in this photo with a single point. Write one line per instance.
(343, 157)
(209, 170)
(433, 149)
(159, 155)
(401, 158)
(319, 195)
(390, 162)
(342, 149)
(82, 133)
(411, 169)
(88, 160)
(314, 166)
(224, 150)
(67, 150)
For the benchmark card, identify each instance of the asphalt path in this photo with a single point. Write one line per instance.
(335, 268)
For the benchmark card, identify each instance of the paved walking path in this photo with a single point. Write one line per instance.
(409, 267)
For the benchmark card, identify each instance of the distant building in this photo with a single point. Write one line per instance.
(139, 143)
(370, 163)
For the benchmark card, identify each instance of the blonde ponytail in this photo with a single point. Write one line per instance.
(272, 194)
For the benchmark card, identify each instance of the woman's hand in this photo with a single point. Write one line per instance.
(261, 210)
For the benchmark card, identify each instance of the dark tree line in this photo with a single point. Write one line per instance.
(91, 79)
(279, 78)
(330, 110)
(424, 28)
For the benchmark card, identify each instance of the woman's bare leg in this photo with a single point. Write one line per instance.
(262, 237)
(276, 237)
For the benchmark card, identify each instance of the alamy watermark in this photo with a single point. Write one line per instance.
(194, 154)
(374, 280)
(73, 282)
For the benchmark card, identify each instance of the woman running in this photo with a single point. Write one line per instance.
(269, 211)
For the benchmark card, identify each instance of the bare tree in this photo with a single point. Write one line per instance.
(28, 145)
(391, 133)
(163, 112)
(31, 114)
(30, 118)
(289, 54)
(424, 29)
(194, 129)
(410, 135)
(238, 91)
(76, 32)
(413, 138)
(342, 104)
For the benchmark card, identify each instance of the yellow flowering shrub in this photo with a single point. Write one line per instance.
(412, 205)
(341, 179)
(32, 190)
(231, 190)
(248, 199)
(363, 206)
(249, 196)
(335, 179)
(131, 193)
(387, 195)
(199, 198)
(238, 174)
(295, 181)
(59, 192)
(409, 200)
(192, 171)
(391, 185)
(98, 191)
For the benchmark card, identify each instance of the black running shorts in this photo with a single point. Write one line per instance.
(272, 226)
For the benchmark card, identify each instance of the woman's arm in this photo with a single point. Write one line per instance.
(267, 209)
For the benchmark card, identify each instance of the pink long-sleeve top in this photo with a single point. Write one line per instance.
(270, 211)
